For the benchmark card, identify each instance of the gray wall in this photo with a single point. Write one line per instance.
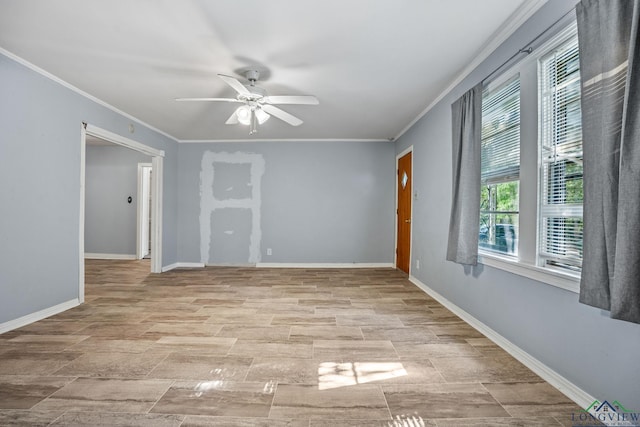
(40, 128)
(321, 202)
(110, 221)
(598, 354)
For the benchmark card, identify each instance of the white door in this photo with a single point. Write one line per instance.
(144, 209)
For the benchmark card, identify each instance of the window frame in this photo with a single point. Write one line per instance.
(527, 262)
(556, 211)
(509, 175)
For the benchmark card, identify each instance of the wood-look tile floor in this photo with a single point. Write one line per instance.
(263, 347)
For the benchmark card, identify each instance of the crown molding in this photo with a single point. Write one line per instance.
(515, 21)
(80, 92)
(224, 141)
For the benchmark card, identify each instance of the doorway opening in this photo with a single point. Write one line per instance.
(154, 191)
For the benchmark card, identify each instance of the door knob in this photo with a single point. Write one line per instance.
(407, 221)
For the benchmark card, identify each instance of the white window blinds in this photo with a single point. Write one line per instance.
(500, 168)
(561, 158)
(501, 132)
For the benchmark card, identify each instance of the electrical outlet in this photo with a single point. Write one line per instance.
(269, 252)
(417, 264)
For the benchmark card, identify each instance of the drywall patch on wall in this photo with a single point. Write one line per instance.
(230, 186)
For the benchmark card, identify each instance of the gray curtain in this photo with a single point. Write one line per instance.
(464, 222)
(610, 72)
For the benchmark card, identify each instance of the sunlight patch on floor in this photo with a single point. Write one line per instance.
(407, 421)
(334, 375)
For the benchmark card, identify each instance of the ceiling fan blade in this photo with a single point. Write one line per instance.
(232, 120)
(292, 99)
(235, 84)
(282, 115)
(209, 99)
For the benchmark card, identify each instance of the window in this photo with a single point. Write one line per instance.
(560, 210)
(531, 166)
(500, 169)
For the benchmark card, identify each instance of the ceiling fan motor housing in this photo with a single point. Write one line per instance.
(252, 76)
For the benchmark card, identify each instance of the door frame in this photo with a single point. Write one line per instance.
(395, 252)
(142, 221)
(157, 163)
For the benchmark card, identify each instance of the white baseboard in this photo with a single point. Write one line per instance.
(88, 255)
(182, 265)
(572, 391)
(38, 315)
(279, 265)
(230, 264)
(324, 265)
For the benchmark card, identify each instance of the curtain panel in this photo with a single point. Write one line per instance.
(464, 221)
(610, 74)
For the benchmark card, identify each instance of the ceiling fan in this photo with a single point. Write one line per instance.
(257, 105)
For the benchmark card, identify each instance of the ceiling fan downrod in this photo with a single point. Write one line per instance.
(253, 125)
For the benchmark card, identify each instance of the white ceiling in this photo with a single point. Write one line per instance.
(375, 65)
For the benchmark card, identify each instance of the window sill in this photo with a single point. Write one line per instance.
(559, 279)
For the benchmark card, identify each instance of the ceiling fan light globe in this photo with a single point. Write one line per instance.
(261, 116)
(244, 115)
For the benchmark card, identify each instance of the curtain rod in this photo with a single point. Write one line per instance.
(527, 49)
